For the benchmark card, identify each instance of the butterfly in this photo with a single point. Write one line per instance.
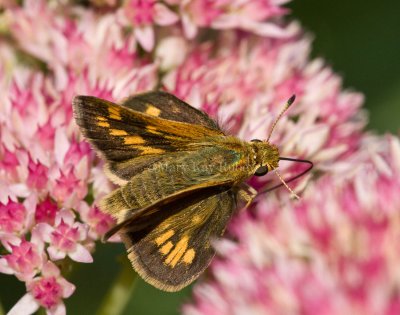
(180, 178)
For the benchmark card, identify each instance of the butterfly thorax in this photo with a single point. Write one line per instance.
(242, 159)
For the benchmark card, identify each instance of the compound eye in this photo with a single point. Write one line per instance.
(261, 171)
(255, 140)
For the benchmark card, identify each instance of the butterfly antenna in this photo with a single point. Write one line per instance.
(289, 102)
(286, 185)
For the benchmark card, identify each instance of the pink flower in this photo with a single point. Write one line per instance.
(37, 178)
(89, 54)
(76, 151)
(68, 186)
(44, 163)
(223, 14)
(8, 162)
(99, 222)
(142, 14)
(47, 291)
(65, 238)
(12, 217)
(46, 211)
(25, 260)
(16, 218)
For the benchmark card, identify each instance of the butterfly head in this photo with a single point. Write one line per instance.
(266, 157)
(266, 154)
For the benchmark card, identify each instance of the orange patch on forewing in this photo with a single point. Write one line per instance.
(150, 150)
(164, 237)
(134, 140)
(152, 110)
(103, 124)
(175, 255)
(118, 132)
(153, 130)
(166, 248)
(114, 113)
(189, 256)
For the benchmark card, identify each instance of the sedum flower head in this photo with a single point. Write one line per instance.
(330, 253)
(47, 171)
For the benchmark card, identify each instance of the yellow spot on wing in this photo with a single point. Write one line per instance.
(196, 219)
(166, 248)
(103, 124)
(162, 238)
(118, 132)
(153, 130)
(189, 256)
(133, 140)
(177, 252)
(150, 150)
(114, 113)
(151, 110)
(116, 117)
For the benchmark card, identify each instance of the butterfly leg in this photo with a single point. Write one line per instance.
(247, 194)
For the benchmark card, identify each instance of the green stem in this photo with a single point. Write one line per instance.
(120, 292)
(41, 311)
(1, 309)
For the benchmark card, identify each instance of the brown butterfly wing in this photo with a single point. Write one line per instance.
(131, 141)
(168, 106)
(171, 248)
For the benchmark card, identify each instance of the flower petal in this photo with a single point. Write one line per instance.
(55, 253)
(81, 254)
(4, 268)
(42, 232)
(25, 306)
(163, 15)
(67, 216)
(145, 36)
(67, 287)
(59, 309)
(61, 145)
(50, 269)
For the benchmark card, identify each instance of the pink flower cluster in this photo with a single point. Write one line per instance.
(190, 16)
(46, 170)
(333, 252)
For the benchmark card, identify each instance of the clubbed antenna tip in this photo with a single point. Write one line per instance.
(287, 105)
(291, 100)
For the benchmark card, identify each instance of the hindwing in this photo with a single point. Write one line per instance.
(172, 247)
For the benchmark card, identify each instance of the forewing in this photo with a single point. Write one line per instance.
(130, 140)
(172, 247)
(168, 106)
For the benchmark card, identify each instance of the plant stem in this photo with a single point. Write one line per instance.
(120, 292)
